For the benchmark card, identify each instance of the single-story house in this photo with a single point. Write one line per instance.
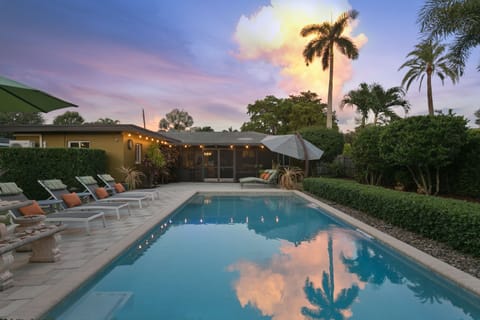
(203, 156)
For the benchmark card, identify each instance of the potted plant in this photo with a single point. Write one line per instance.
(132, 176)
(290, 177)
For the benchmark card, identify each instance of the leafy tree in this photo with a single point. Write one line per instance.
(457, 19)
(274, 115)
(477, 114)
(307, 110)
(230, 129)
(107, 121)
(176, 120)
(329, 36)
(69, 118)
(369, 164)
(428, 59)
(329, 306)
(13, 118)
(269, 115)
(424, 145)
(329, 140)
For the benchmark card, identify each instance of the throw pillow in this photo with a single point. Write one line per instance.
(71, 199)
(32, 210)
(119, 187)
(101, 193)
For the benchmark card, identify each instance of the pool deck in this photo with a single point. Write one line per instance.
(39, 286)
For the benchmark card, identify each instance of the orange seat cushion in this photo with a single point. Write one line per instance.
(119, 187)
(32, 210)
(102, 193)
(71, 199)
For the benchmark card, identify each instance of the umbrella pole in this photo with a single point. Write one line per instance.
(305, 152)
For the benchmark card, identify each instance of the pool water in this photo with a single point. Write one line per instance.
(276, 257)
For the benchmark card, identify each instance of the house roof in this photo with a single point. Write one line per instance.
(216, 138)
(85, 128)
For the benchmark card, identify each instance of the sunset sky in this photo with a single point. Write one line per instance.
(211, 58)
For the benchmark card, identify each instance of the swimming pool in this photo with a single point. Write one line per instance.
(276, 257)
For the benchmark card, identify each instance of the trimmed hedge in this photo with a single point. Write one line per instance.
(27, 165)
(454, 222)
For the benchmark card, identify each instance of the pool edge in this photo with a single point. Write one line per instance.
(459, 277)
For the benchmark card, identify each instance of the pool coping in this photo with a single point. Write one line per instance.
(40, 305)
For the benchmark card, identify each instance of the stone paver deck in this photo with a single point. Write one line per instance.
(39, 286)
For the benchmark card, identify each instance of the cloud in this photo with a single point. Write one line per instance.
(272, 35)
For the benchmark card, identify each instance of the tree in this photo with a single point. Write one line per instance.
(360, 98)
(203, 129)
(9, 118)
(107, 121)
(384, 100)
(428, 59)
(376, 99)
(307, 110)
(329, 36)
(69, 118)
(457, 19)
(269, 115)
(477, 114)
(274, 115)
(424, 145)
(176, 120)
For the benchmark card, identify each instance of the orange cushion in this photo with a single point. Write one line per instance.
(71, 199)
(101, 193)
(266, 176)
(119, 187)
(262, 176)
(31, 210)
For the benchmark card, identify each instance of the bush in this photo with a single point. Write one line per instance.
(464, 173)
(453, 222)
(329, 140)
(369, 165)
(26, 166)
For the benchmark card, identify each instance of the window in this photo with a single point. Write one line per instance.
(138, 153)
(79, 144)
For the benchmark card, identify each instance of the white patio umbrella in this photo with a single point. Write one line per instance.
(293, 145)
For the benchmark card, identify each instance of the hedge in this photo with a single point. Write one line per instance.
(454, 222)
(25, 166)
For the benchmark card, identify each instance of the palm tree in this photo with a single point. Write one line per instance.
(459, 19)
(328, 36)
(329, 306)
(428, 59)
(376, 99)
(361, 98)
(384, 100)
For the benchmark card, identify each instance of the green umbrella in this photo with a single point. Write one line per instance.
(17, 97)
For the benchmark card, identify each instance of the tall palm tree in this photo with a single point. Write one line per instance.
(429, 58)
(459, 19)
(327, 37)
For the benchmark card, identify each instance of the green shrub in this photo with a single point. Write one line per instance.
(27, 165)
(329, 140)
(454, 222)
(464, 173)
